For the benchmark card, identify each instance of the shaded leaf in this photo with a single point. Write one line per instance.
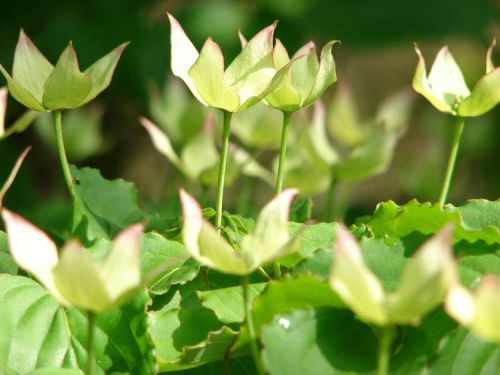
(165, 263)
(227, 303)
(318, 341)
(103, 207)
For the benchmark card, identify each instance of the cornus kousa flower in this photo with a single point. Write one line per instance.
(246, 80)
(424, 281)
(269, 240)
(74, 278)
(446, 89)
(39, 85)
(305, 78)
(479, 310)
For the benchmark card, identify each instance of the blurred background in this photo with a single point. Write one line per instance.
(375, 60)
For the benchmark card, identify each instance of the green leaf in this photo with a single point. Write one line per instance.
(213, 349)
(484, 97)
(286, 295)
(7, 264)
(103, 207)
(207, 74)
(122, 340)
(102, 71)
(462, 354)
(174, 330)
(477, 220)
(31, 69)
(227, 303)
(165, 263)
(320, 341)
(313, 238)
(34, 328)
(66, 87)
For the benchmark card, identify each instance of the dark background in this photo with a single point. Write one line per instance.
(376, 58)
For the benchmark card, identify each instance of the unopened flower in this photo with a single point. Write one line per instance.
(74, 278)
(446, 89)
(305, 78)
(40, 86)
(479, 310)
(243, 83)
(269, 241)
(424, 281)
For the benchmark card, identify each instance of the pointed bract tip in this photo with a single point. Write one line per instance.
(190, 208)
(346, 243)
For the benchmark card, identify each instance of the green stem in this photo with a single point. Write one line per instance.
(281, 160)
(222, 169)
(251, 328)
(90, 342)
(281, 172)
(459, 127)
(62, 154)
(384, 350)
(328, 205)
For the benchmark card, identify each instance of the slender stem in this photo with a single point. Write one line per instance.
(90, 342)
(222, 169)
(281, 172)
(459, 127)
(62, 153)
(384, 350)
(251, 328)
(281, 160)
(328, 205)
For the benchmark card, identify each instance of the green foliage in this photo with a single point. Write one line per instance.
(313, 341)
(476, 220)
(36, 329)
(102, 207)
(410, 289)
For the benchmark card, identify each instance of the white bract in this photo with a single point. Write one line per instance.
(249, 77)
(269, 240)
(74, 278)
(423, 285)
(446, 89)
(479, 310)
